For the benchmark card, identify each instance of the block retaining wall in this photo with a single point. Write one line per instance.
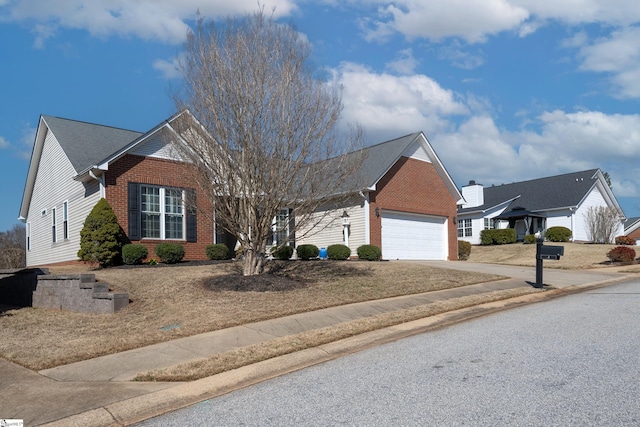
(79, 293)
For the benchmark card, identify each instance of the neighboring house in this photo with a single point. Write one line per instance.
(403, 199)
(632, 228)
(530, 206)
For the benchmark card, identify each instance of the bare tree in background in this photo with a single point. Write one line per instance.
(267, 126)
(602, 223)
(12, 247)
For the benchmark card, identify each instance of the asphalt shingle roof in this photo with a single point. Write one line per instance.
(540, 194)
(87, 144)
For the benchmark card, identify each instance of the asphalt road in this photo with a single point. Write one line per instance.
(573, 361)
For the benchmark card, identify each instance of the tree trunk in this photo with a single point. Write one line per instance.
(253, 262)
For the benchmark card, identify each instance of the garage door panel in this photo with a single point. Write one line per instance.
(410, 236)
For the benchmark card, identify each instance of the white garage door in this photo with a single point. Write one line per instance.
(410, 236)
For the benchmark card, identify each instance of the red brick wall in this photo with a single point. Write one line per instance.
(413, 186)
(635, 234)
(160, 172)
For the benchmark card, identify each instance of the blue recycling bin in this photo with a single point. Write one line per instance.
(323, 253)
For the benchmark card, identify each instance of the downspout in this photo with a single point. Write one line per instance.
(367, 218)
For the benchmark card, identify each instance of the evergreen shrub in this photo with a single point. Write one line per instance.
(283, 253)
(134, 253)
(101, 237)
(558, 234)
(498, 236)
(170, 253)
(369, 252)
(217, 251)
(338, 252)
(306, 252)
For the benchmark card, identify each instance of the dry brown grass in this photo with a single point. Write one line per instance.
(173, 302)
(258, 352)
(576, 255)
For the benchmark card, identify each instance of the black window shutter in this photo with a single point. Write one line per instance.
(192, 218)
(292, 228)
(134, 211)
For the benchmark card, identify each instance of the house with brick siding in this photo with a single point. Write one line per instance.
(403, 198)
(632, 228)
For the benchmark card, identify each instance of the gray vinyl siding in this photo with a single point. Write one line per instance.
(53, 186)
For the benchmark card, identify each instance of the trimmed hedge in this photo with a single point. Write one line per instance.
(217, 251)
(307, 252)
(529, 239)
(625, 240)
(621, 254)
(369, 252)
(134, 253)
(283, 253)
(498, 236)
(464, 250)
(338, 252)
(558, 234)
(170, 253)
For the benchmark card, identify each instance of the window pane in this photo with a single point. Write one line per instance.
(173, 227)
(150, 199)
(151, 225)
(173, 201)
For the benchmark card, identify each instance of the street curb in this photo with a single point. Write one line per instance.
(140, 408)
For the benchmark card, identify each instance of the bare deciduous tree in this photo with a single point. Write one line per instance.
(602, 223)
(12, 247)
(267, 127)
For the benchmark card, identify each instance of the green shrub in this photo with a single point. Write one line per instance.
(369, 252)
(558, 234)
(529, 239)
(170, 253)
(621, 254)
(306, 252)
(464, 250)
(498, 236)
(101, 238)
(134, 253)
(217, 251)
(625, 240)
(338, 252)
(283, 252)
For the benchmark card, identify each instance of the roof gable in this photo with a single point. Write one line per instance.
(85, 144)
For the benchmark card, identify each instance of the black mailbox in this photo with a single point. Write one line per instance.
(551, 252)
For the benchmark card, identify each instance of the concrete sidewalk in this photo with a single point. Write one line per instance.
(99, 392)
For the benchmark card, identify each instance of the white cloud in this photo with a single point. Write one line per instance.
(460, 58)
(438, 19)
(168, 68)
(388, 106)
(617, 55)
(160, 20)
(405, 64)
(564, 142)
(574, 12)
(3, 143)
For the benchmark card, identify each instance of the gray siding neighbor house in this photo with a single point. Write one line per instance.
(537, 204)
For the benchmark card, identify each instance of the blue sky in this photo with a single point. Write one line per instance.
(505, 90)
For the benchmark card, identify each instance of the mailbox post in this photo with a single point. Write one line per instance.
(545, 252)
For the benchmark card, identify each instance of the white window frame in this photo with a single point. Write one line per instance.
(277, 229)
(463, 229)
(163, 213)
(54, 231)
(65, 220)
(489, 224)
